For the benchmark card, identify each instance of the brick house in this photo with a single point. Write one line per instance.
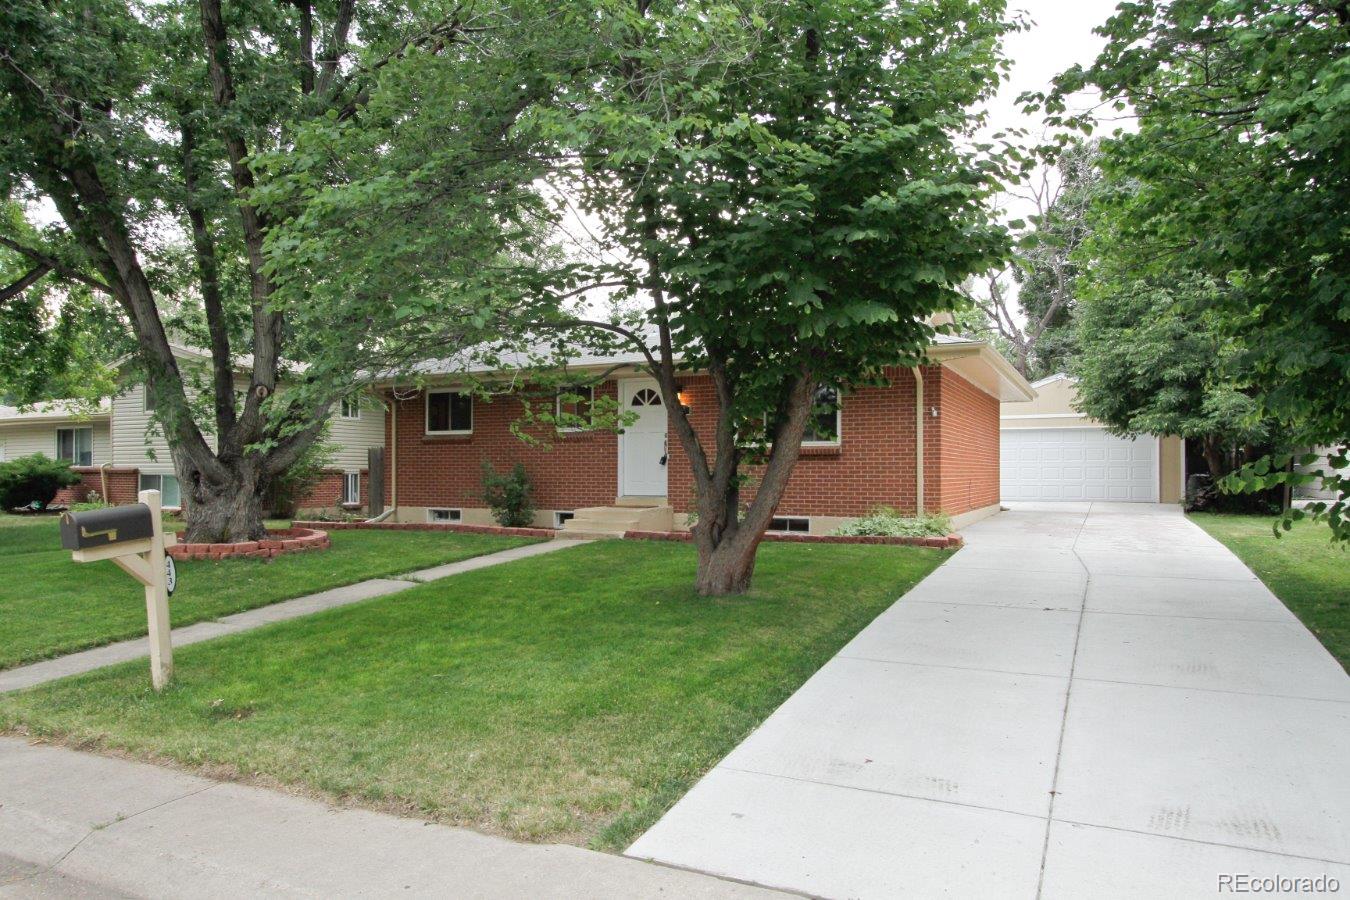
(931, 437)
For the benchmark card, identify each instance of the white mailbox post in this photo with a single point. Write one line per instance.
(133, 538)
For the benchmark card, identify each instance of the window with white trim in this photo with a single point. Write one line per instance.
(444, 515)
(75, 446)
(351, 489)
(350, 407)
(449, 412)
(823, 427)
(147, 400)
(790, 524)
(575, 403)
(170, 493)
(562, 516)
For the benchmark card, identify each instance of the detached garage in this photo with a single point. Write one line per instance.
(1050, 451)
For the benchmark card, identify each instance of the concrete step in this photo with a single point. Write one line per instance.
(640, 502)
(613, 521)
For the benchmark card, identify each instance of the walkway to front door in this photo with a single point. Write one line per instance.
(1089, 700)
(642, 446)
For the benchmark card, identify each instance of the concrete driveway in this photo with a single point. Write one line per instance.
(1089, 700)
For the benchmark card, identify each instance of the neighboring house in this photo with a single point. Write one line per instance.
(864, 452)
(118, 451)
(1051, 451)
(1316, 490)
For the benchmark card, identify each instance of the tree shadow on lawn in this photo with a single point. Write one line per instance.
(571, 697)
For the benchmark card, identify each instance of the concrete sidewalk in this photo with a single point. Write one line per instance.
(110, 654)
(1089, 700)
(74, 824)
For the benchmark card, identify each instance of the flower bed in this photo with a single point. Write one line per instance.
(284, 540)
(944, 542)
(433, 526)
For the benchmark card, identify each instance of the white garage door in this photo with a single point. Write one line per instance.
(1077, 464)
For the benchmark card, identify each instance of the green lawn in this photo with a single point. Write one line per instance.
(50, 605)
(1301, 567)
(568, 697)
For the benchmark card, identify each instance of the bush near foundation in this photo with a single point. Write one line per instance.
(33, 481)
(885, 521)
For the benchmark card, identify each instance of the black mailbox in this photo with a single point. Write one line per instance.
(101, 527)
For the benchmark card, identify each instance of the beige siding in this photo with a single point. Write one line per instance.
(351, 438)
(132, 446)
(26, 438)
(1171, 480)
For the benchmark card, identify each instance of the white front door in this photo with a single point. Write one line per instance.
(642, 446)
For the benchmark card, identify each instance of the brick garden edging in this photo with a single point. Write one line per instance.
(946, 542)
(430, 526)
(284, 540)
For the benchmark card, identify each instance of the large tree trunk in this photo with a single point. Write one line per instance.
(1215, 457)
(728, 566)
(728, 545)
(226, 510)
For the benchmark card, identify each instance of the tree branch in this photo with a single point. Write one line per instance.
(24, 283)
(52, 264)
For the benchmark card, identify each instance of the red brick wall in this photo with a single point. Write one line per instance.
(327, 494)
(967, 427)
(123, 485)
(580, 469)
(874, 464)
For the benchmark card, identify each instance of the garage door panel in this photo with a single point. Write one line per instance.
(1077, 464)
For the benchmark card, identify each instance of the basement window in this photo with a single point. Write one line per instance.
(560, 517)
(444, 515)
(790, 524)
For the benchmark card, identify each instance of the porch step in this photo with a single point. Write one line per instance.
(640, 502)
(612, 521)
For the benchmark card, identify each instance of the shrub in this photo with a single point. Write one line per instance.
(888, 522)
(509, 496)
(33, 481)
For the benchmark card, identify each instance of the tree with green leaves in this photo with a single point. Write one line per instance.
(1239, 162)
(796, 189)
(1039, 339)
(181, 146)
(1153, 361)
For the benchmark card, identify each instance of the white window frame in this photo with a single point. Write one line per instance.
(349, 408)
(426, 412)
(838, 424)
(575, 389)
(144, 483)
(146, 405)
(558, 519)
(454, 515)
(74, 445)
(806, 519)
(348, 497)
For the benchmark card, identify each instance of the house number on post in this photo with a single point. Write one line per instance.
(133, 538)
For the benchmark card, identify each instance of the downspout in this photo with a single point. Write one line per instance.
(393, 451)
(103, 481)
(918, 440)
